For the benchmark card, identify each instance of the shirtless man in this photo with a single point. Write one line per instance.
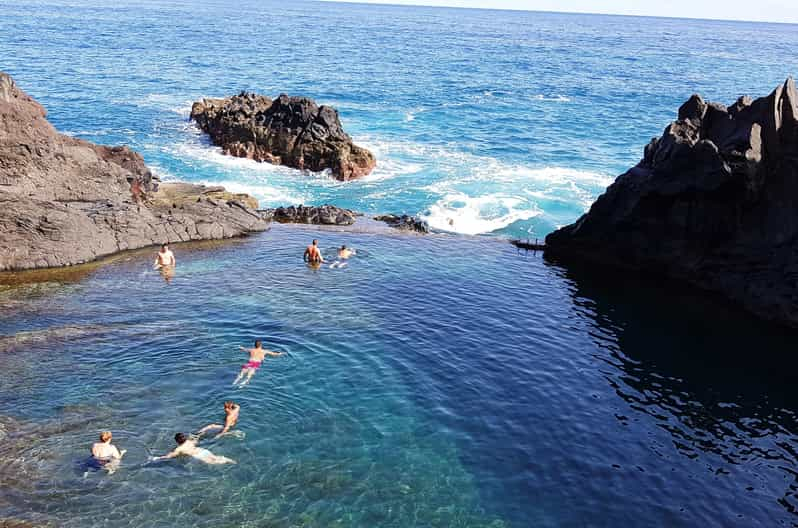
(106, 454)
(231, 410)
(165, 258)
(256, 357)
(312, 254)
(188, 447)
(344, 253)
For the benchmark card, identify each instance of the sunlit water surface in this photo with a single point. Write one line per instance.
(434, 381)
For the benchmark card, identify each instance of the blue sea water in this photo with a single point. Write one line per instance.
(435, 381)
(503, 122)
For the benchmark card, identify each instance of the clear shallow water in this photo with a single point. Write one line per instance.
(435, 381)
(503, 122)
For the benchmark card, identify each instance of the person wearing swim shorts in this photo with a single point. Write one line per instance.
(231, 410)
(256, 357)
(313, 254)
(106, 454)
(187, 446)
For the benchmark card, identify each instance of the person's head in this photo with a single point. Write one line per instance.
(258, 344)
(315, 242)
(343, 248)
(164, 247)
(181, 438)
(105, 436)
(228, 405)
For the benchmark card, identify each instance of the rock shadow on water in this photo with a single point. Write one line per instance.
(719, 381)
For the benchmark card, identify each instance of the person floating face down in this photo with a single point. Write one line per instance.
(105, 453)
(313, 254)
(256, 357)
(187, 446)
(231, 410)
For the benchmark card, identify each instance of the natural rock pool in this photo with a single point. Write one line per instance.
(434, 381)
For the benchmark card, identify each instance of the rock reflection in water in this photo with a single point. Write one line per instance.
(719, 382)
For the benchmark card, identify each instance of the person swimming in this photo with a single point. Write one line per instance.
(345, 252)
(105, 454)
(165, 258)
(313, 254)
(256, 357)
(187, 446)
(231, 410)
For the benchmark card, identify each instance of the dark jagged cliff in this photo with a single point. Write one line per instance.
(714, 202)
(291, 131)
(66, 201)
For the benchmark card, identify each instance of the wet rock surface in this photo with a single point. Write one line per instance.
(291, 131)
(405, 223)
(319, 215)
(66, 201)
(713, 202)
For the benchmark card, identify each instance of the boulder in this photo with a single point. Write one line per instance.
(319, 215)
(66, 201)
(405, 223)
(291, 131)
(713, 202)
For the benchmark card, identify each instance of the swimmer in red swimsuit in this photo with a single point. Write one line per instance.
(256, 357)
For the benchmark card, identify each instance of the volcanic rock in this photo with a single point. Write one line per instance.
(405, 223)
(66, 201)
(319, 215)
(291, 131)
(713, 202)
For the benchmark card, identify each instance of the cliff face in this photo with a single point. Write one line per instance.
(66, 201)
(291, 131)
(714, 202)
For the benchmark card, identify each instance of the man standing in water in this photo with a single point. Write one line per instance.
(165, 258)
(312, 254)
(256, 357)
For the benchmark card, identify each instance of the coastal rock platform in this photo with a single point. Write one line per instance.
(66, 201)
(713, 202)
(291, 131)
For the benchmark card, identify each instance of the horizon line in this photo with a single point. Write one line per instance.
(546, 11)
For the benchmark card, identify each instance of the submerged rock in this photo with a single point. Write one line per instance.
(405, 223)
(319, 215)
(66, 201)
(713, 202)
(291, 131)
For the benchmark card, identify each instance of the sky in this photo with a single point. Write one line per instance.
(759, 10)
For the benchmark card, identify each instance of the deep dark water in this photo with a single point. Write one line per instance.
(435, 381)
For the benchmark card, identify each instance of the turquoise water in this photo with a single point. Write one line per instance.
(418, 388)
(504, 122)
(437, 381)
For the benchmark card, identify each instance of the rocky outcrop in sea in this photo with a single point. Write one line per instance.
(713, 202)
(291, 131)
(405, 223)
(66, 201)
(317, 215)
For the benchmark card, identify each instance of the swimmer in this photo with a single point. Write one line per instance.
(345, 252)
(231, 410)
(256, 357)
(106, 454)
(312, 254)
(165, 258)
(188, 447)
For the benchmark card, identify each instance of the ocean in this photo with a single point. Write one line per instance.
(435, 381)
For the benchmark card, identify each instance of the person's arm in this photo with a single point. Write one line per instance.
(117, 453)
(174, 260)
(271, 353)
(305, 255)
(173, 454)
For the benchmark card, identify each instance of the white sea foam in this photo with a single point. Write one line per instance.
(473, 215)
(556, 98)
